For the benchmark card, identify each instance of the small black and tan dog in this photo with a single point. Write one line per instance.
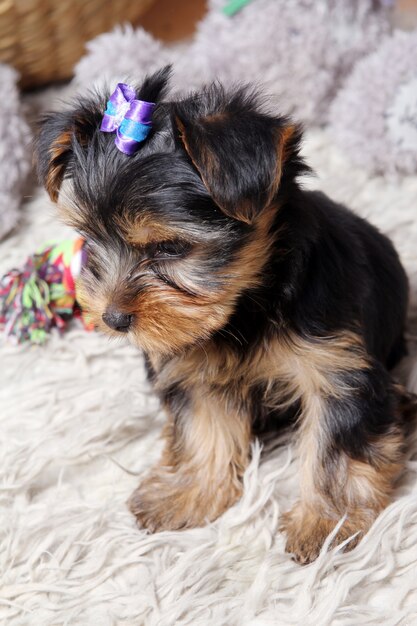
(257, 303)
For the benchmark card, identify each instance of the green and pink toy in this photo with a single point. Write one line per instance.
(42, 295)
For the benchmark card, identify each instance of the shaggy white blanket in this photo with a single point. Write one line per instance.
(78, 426)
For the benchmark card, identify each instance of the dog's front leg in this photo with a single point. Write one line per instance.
(199, 475)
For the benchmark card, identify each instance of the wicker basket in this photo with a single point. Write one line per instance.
(43, 39)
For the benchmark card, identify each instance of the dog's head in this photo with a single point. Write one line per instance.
(179, 230)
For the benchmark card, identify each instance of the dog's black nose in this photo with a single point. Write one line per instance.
(117, 320)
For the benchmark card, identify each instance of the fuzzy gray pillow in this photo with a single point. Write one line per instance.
(300, 50)
(374, 116)
(15, 152)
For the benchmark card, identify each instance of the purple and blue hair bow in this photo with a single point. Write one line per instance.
(130, 118)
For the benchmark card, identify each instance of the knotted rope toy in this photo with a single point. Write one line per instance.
(42, 295)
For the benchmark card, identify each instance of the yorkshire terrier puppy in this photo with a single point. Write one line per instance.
(256, 303)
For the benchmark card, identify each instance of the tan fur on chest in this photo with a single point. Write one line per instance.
(289, 367)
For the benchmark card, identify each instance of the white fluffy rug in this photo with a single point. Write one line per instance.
(78, 425)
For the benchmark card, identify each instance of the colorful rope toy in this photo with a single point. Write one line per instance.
(42, 295)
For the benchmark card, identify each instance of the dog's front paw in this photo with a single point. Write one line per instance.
(161, 504)
(173, 501)
(307, 530)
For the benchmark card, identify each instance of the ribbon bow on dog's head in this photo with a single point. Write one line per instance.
(130, 118)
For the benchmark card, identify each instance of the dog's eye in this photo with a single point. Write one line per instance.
(94, 270)
(169, 249)
(90, 263)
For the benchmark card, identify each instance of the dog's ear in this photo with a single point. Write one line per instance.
(239, 151)
(56, 136)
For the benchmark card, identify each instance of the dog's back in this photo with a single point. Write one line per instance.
(359, 281)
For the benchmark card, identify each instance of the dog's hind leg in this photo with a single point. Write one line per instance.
(351, 447)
